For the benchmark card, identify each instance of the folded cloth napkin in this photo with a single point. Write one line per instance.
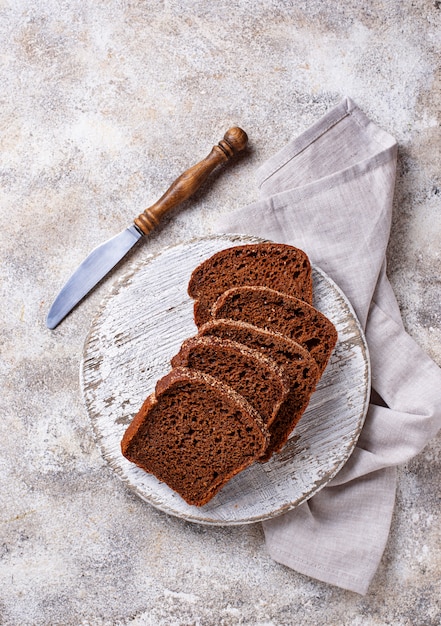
(330, 192)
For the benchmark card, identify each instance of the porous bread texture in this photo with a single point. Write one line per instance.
(194, 433)
(263, 383)
(279, 312)
(239, 387)
(274, 265)
(299, 365)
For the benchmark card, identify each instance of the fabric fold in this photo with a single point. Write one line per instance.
(326, 537)
(330, 192)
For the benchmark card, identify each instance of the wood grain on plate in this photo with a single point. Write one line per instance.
(142, 324)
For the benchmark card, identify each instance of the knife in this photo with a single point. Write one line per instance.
(103, 258)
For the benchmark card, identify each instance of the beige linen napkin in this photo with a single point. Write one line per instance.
(329, 192)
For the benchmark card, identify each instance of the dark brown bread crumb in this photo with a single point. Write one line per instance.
(297, 362)
(261, 345)
(194, 433)
(279, 312)
(263, 383)
(274, 265)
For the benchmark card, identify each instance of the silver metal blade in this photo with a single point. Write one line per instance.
(94, 267)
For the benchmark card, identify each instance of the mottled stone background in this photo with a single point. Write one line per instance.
(103, 104)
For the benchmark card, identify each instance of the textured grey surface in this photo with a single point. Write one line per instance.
(103, 104)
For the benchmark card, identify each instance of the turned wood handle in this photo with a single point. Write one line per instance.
(235, 140)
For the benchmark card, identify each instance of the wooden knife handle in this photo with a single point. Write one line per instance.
(235, 140)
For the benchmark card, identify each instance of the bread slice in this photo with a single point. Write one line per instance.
(279, 312)
(263, 383)
(301, 368)
(194, 433)
(274, 265)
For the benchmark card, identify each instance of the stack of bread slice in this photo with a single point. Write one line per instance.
(237, 389)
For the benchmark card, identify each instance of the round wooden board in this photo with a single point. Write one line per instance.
(141, 325)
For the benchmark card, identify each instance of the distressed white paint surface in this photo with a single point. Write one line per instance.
(142, 324)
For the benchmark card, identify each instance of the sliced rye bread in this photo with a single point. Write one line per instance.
(274, 265)
(260, 380)
(297, 362)
(194, 433)
(279, 312)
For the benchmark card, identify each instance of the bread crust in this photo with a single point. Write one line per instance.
(269, 264)
(259, 379)
(194, 448)
(276, 311)
(299, 365)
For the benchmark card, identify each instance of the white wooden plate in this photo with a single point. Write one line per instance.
(142, 324)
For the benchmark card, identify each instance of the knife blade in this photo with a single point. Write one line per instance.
(104, 258)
